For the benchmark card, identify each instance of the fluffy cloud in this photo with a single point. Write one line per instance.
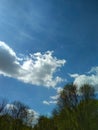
(36, 69)
(9, 65)
(90, 78)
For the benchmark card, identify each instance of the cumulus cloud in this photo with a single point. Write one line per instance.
(90, 78)
(36, 69)
(9, 65)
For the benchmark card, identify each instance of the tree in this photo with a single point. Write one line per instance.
(68, 97)
(21, 115)
(87, 114)
(77, 110)
(87, 92)
(19, 110)
(15, 116)
(64, 116)
(45, 123)
(3, 104)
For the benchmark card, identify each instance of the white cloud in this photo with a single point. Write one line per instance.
(54, 99)
(10, 107)
(9, 65)
(31, 113)
(46, 102)
(36, 69)
(53, 102)
(74, 75)
(49, 102)
(59, 90)
(35, 115)
(90, 78)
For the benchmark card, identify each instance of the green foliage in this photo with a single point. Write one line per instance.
(87, 114)
(68, 97)
(87, 92)
(14, 118)
(76, 110)
(45, 123)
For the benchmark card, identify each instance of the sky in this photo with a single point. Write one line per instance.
(45, 44)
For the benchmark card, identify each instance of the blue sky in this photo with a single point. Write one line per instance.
(45, 44)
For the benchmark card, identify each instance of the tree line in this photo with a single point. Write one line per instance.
(76, 109)
(15, 116)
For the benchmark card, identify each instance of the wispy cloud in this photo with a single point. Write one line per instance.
(26, 35)
(54, 99)
(49, 102)
(36, 69)
(89, 78)
(46, 102)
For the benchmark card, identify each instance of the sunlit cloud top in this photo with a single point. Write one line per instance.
(90, 78)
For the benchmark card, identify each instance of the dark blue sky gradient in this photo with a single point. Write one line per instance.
(68, 27)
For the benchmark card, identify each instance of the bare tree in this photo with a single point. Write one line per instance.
(20, 111)
(3, 103)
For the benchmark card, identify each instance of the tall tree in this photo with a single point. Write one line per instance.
(77, 110)
(68, 97)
